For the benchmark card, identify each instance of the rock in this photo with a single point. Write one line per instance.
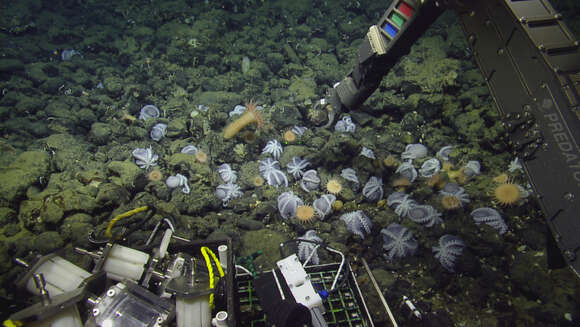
(52, 211)
(10, 65)
(28, 105)
(7, 215)
(47, 242)
(113, 86)
(75, 201)
(275, 61)
(111, 195)
(529, 274)
(303, 89)
(250, 224)
(60, 109)
(176, 128)
(159, 189)
(124, 173)
(182, 160)
(204, 199)
(385, 279)
(77, 228)
(69, 152)
(100, 133)
(36, 72)
(11, 230)
(188, 163)
(265, 240)
(6, 262)
(21, 174)
(29, 213)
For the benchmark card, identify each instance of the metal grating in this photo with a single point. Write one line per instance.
(343, 307)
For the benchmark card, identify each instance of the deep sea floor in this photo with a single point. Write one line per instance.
(107, 106)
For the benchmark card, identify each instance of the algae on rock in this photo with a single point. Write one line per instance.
(24, 171)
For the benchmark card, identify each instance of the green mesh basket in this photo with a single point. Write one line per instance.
(345, 307)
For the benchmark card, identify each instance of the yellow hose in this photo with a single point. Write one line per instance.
(12, 323)
(204, 251)
(121, 216)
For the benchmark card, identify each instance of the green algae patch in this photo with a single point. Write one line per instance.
(303, 89)
(24, 171)
(47, 242)
(196, 171)
(123, 173)
(267, 241)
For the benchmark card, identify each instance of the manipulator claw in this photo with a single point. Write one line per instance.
(345, 96)
(332, 104)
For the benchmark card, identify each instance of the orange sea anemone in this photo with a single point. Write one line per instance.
(333, 186)
(258, 181)
(305, 214)
(289, 136)
(390, 161)
(155, 175)
(436, 181)
(507, 194)
(201, 156)
(249, 116)
(450, 202)
(401, 183)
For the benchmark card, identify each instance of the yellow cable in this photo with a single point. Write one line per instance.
(12, 323)
(204, 251)
(121, 216)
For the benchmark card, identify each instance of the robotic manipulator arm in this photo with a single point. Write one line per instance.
(385, 43)
(531, 63)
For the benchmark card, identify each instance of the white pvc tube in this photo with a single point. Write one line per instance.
(125, 263)
(60, 275)
(193, 312)
(220, 319)
(223, 256)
